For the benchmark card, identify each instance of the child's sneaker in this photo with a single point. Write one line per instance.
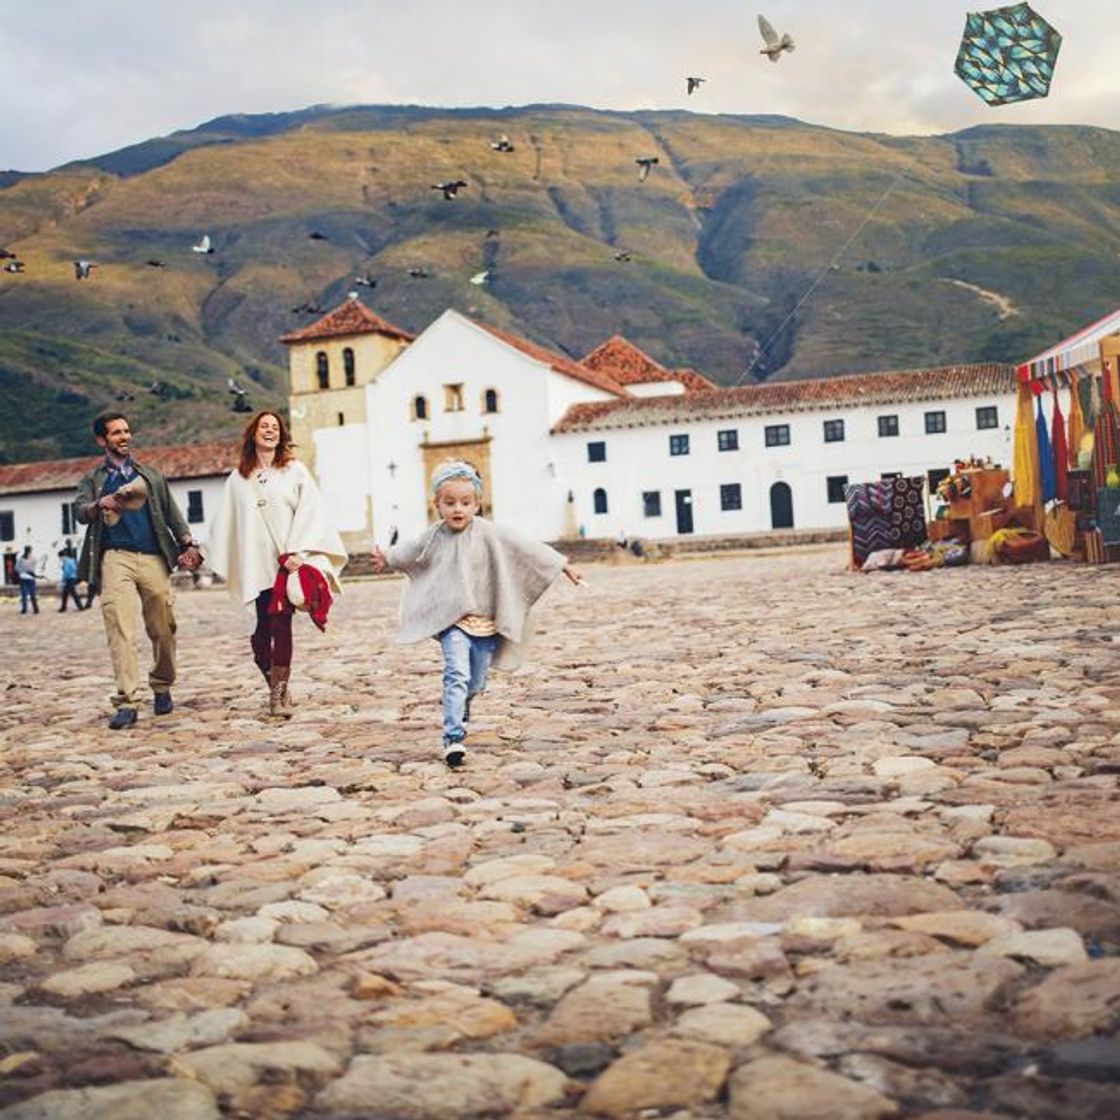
(454, 754)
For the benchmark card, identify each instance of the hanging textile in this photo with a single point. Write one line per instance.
(1106, 441)
(886, 514)
(1025, 472)
(1059, 447)
(1045, 457)
(1076, 423)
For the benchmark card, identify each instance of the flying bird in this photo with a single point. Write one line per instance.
(125, 395)
(6, 255)
(315, 235)
(775, 43)
(82, 269)
(155, 264)
(493, 233)
(502, 144)
(480, 278)
(156, 388)
(418, 272)
(307, 309)
(694, 83)
(624, 255)
(14, 266)
(204, 245)
(366, 281)
(644, 164)
(451, 188)
(234, 388)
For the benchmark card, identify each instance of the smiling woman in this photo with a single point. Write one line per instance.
(274, 545)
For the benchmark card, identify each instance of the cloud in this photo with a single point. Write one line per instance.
(94, 77)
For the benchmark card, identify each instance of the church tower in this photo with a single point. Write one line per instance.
(330, 363)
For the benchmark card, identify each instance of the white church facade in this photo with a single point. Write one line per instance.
(612, 443)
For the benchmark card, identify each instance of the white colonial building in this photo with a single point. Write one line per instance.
(613, 443)
(37, 499)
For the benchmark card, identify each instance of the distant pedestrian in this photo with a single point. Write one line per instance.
(272, 523)
(471, 584)
(69, 588)
(137, 534)
(26, 566)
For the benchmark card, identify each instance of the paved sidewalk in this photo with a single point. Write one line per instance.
(752, 837)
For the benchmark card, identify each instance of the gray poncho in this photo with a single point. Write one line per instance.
(486, 569)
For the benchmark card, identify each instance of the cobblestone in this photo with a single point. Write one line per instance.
(749, 836)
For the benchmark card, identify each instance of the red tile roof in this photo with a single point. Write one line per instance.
(896, 387)
(599, 379)
(349, 318)
(692, 381)
(620, 359)
(200, 460)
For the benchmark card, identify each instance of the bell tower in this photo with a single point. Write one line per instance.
(330, 363)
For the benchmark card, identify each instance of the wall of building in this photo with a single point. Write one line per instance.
(639, 459)
(38, 517)
(526, 491)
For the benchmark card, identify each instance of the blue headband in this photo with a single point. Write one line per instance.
(454, 469)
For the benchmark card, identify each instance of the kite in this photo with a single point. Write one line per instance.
(1008, 54)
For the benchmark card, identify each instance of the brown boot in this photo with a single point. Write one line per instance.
(279, 702)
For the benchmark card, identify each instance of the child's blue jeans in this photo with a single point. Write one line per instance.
(466, 661)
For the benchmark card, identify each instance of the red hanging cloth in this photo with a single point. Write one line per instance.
(1061, 450)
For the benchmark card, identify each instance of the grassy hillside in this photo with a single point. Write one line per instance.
(987, 244)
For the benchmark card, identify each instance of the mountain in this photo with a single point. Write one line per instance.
(838, 251)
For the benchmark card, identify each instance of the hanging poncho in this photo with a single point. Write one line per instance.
(1026, 451)
(1045, 457)
(1076, 422)
(1061, 451)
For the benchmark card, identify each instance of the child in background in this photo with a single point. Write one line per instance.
(471, 584)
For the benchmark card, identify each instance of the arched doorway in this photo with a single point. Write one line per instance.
(781, 506)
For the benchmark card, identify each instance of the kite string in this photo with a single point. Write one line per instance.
(820, 276)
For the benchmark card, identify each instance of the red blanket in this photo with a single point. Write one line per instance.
(316, 594)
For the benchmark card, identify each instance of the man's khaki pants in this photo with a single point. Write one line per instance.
(124, 576)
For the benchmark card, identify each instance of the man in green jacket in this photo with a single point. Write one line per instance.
(130, 549)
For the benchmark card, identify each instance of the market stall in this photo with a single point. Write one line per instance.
(1061, 496)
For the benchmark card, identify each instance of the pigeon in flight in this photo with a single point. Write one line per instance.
(502, 144)
(82, 269)
(234, 388)
(366, 281)
(644, 164)
(450, 188)
(14, 266)
(624, 255)
(315, 235)
(204, 245)
(694, 83)
(418, 272)
(480, 278)
(306, 309)
(775, 43)
(125, 395)
(156, 388)
(493, 233)
(155, 264)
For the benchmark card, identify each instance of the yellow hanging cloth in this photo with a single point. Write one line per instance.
(1075, 422)
(1027, 472)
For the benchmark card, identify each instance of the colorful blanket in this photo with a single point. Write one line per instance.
(886, 514)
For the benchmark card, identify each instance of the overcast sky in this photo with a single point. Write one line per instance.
(83, 77)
